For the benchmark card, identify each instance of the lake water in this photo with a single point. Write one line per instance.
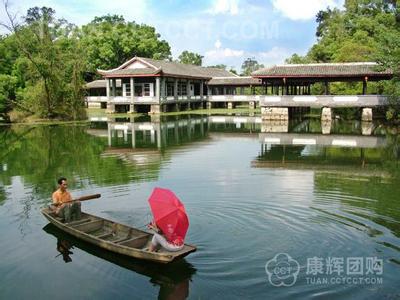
(311, 207)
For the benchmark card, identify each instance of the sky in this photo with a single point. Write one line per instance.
(223, 31)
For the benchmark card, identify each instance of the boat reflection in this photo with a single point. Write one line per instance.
(173, 278)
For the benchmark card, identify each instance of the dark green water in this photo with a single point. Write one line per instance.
(252, 190)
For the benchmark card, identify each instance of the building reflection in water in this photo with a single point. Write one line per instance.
(173, 279)
(305, 141)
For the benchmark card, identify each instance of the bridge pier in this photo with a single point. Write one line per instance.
(275, 113)
(326, 114)
(110, 108)
(154, 109)
(252, 105)
(366, 115)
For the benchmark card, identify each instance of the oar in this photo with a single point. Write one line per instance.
(83, 198)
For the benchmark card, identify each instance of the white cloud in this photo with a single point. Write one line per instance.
(225, 7)
(217, 44)
(222, 53)
(276, 55)
(305, 9)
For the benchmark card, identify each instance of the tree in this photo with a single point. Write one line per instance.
(219, 66)
(109, 41)
(233, 71)
(362, 31)
(7, 94)
(250, 65)
(52, 51)
(190, 58)
(297, 59)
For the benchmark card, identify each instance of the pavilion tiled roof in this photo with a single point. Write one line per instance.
(358, 69)
(235, 80)
(127, 72)
(166, 68)
(102, 83)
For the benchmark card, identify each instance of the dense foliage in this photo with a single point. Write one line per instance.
(45, 61)
(109, 41)
(362, 31)
(190, 58)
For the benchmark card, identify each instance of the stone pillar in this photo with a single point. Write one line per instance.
(326, 114)
(326, 126)
(252, 105)
(110, 108)
(366, 128)
(230, 105)
(275, 113)
(366, 114)
(275, 125)
(155, 109)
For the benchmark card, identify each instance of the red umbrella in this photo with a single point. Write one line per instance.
(169, 214)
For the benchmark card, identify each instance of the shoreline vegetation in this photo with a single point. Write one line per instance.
(47, 61)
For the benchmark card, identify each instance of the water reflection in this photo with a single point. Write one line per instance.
(173, 279)
(317, 190)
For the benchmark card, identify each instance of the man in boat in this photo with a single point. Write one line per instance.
(69, 211)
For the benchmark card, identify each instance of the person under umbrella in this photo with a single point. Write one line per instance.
(170, 221)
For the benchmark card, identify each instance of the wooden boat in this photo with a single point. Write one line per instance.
(116, 237)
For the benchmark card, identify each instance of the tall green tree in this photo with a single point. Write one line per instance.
(109, 41)
(54, 69)
(190, 58)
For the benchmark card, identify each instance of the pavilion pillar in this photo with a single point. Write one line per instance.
(175, 89)
(188, 89)
(132, 105)
(163, 88)
(108, 88)
(114, 87)
(327, 88)
(201, 90)
(158, 88)
(364, 91)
